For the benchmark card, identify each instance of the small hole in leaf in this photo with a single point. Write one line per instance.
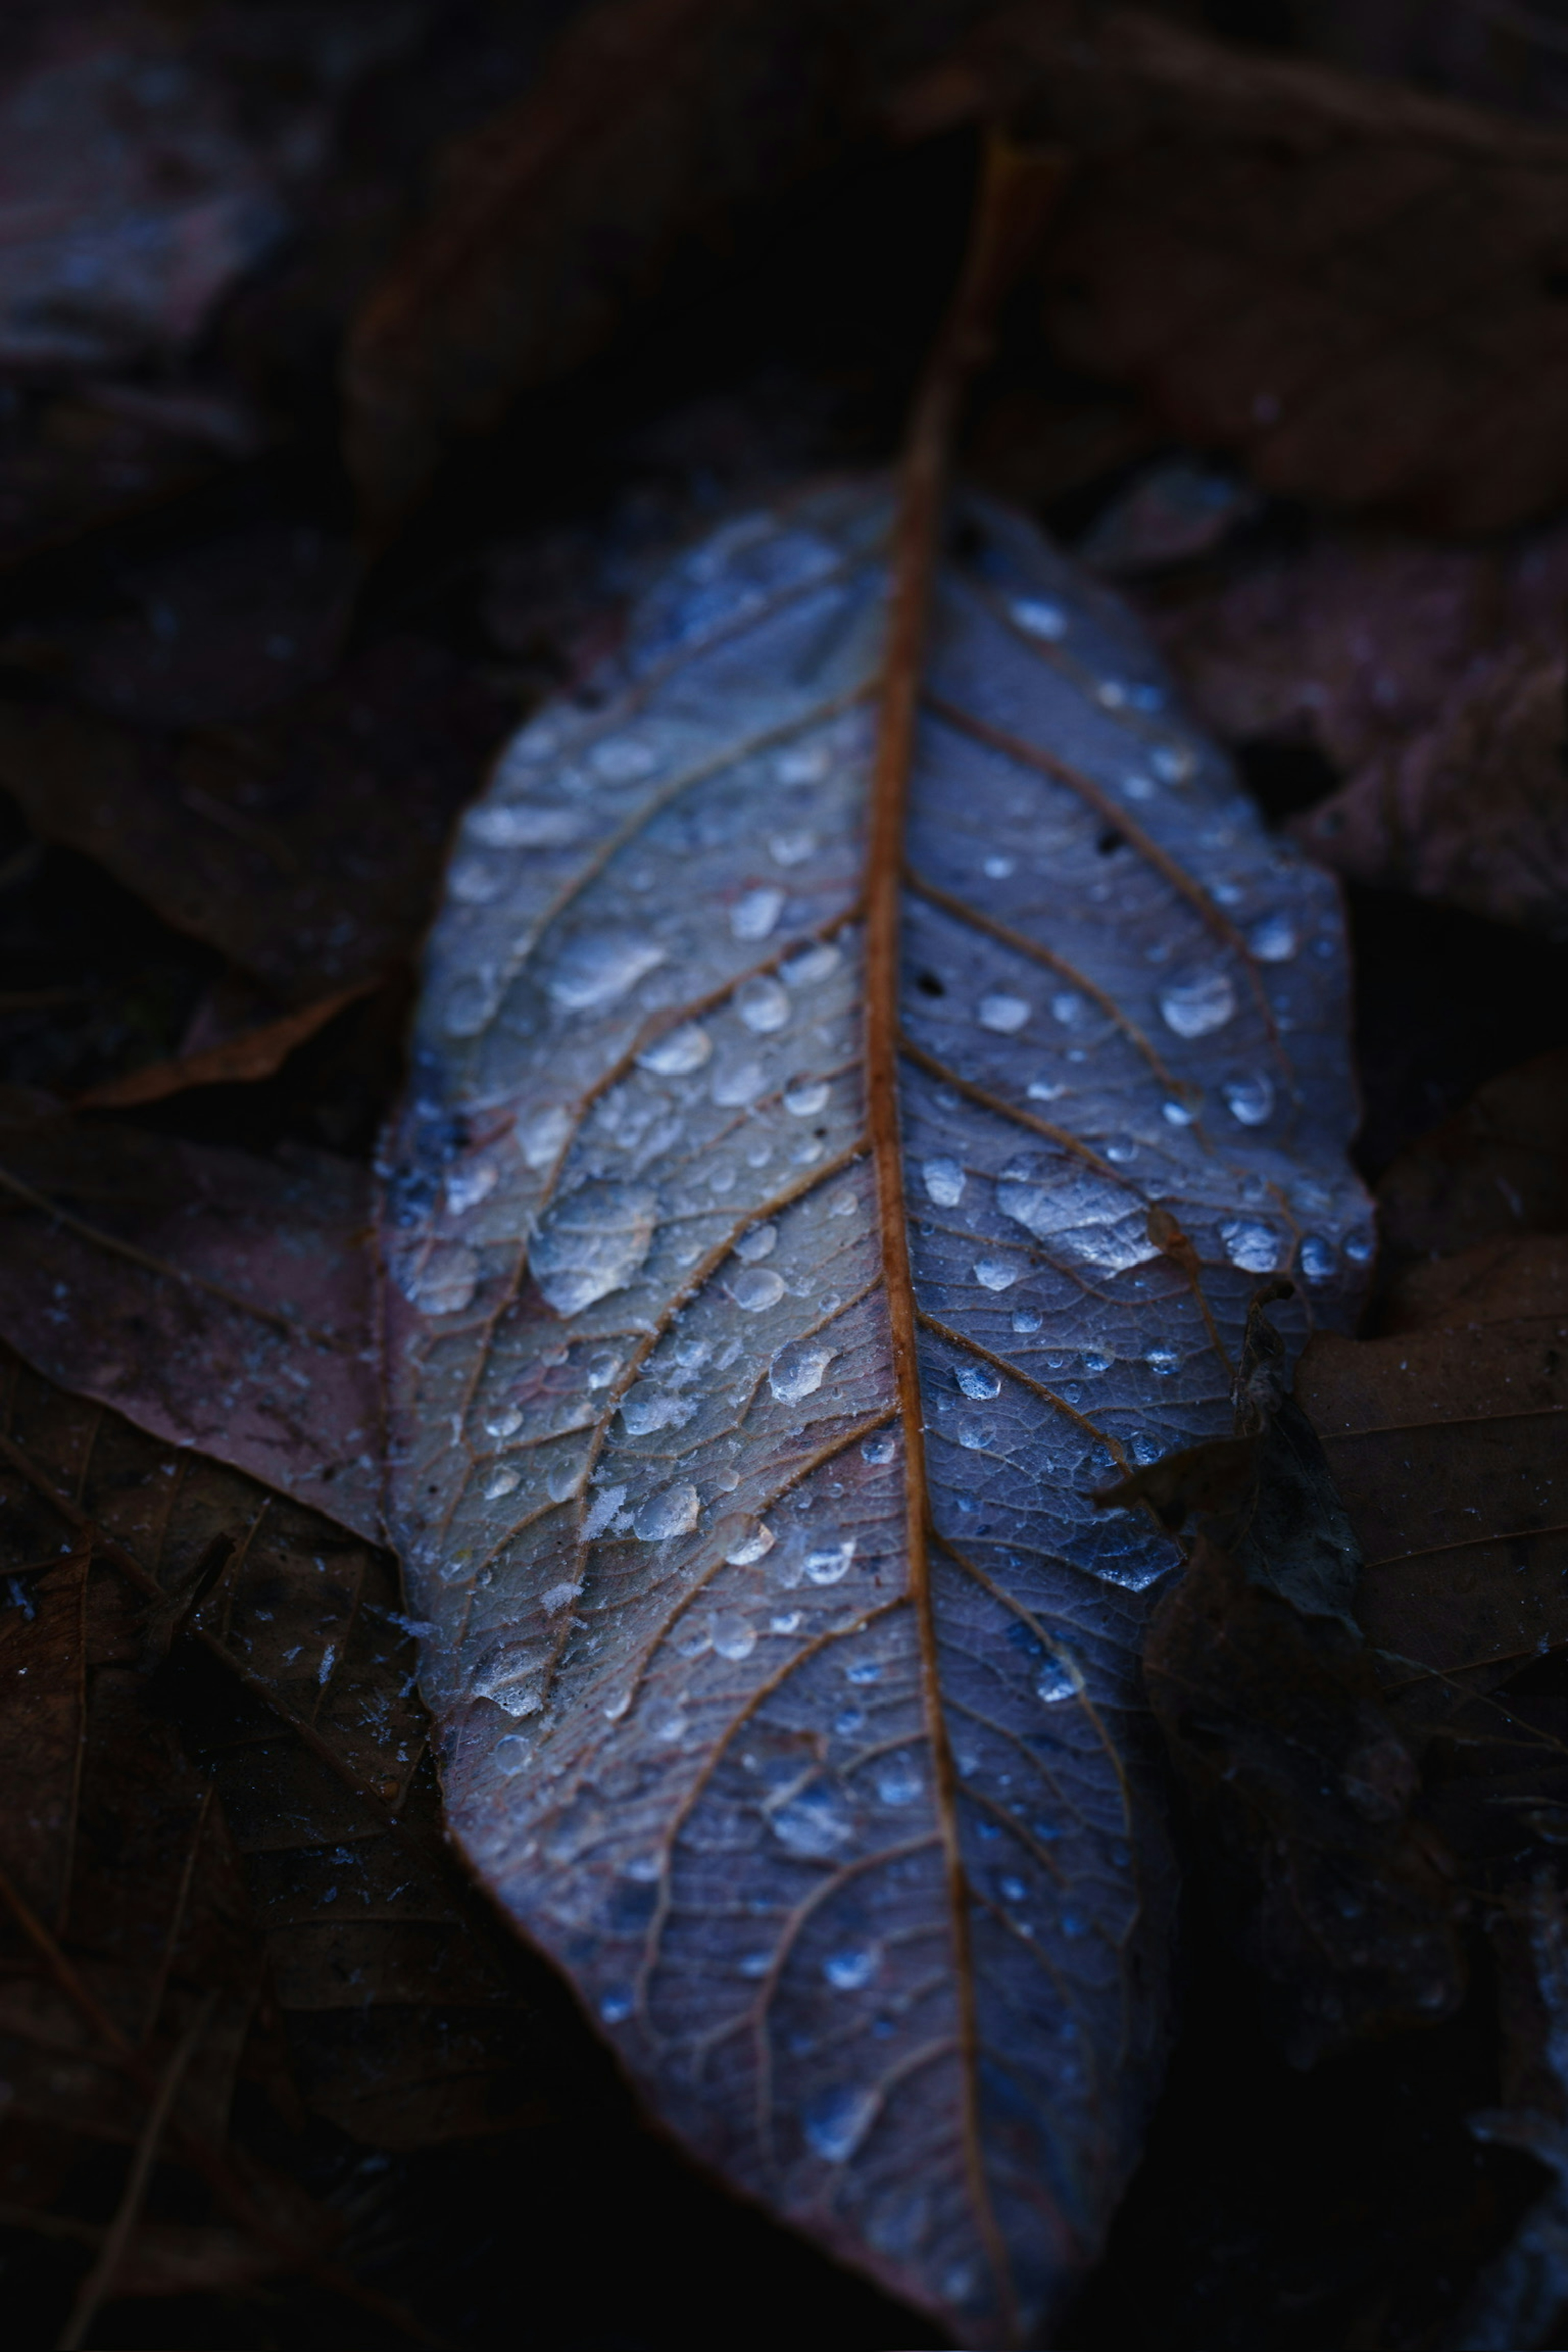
(1111, 840)
(928, 984)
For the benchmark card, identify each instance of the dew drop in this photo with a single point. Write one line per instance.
(748, 1549)
(812, 965)
(837, 2121)
(1198, 1004)
(760, 1242)
(756, 912)
(791, 848)
(1319, 1263)
(1003, 1013)
(898, 1782)
(600, 1368)
(813, 1824)
(467, 1186)
(1179, 1114)
(616, 2007)
(590, 1243)
(736, 1084)
(804, 1097)
(1249, 1100)
(441, 1279)
(762, 1005)
(541, 1133)
(1026, 1320)
(972, 1433)
(755, 1964)
(733, 1637)
(1046, 1090)
(1054, 1683)
(501, 1482)
(1359, 1246)
(1068, 1007)
(622, 758)
(598, 968)
(1161, 1360)
(978, 1380)
(1273, 938)
(997, 1273)
(565, 1480)
(854, 1966)
(787, 1621)
(1039, 619)
(829, 1565)
(755, 1288)
(864, 1669)
(510, 1754)
(849, 1721)
(672, 1513)
(678, 1052)
(1171, 763)
(803, 763)
(999, 867)
(1012, 1890)
(1122, 1151)
(525, 824)
(505, 1424)
(1251, 1244)
(881, 1448)
(944, 1182)
(796, 1372)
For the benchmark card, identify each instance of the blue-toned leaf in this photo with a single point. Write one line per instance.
(836, 1799)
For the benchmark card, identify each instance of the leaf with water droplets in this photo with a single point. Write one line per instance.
(837, 1801)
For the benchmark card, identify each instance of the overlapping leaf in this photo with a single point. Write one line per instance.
(800, 1719)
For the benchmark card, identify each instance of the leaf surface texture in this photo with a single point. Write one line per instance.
(829, 1783)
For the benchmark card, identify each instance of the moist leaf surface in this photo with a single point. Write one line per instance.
(827, 1783)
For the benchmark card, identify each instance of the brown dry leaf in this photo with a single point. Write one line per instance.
(304, 846)
(655, 123)
(1353, 286)
(1499, 1168)
(220, 1300)
(250, 1055)
(207, 1692)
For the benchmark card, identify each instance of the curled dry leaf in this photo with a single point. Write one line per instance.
(786, 1675)
(218, 1300)
(1352, 285)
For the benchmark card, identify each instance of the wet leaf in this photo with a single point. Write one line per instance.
(1352, 285)
(786, 1676)
(218, 1299)
(302, 844)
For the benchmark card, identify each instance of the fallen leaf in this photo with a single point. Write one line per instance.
(1350, 284)
(834, 1832)
(238, 1060)
(653, 124)
(1497, 1169)
(220, 1300)
(303, 845)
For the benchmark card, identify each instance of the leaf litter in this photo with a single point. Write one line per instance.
(574, 1249)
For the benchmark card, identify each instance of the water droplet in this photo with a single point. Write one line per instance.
(616, 2007)
(864, 1669)
(1026, 1320)
(755, 1964)
(510, 1753)
(1045, 1090)
(1249, 1100)
(812, 965)
(944, 1181)
(467, 1186)
(848, 1970)
(1054, 1682)
(837, 2121)
(501, 1482)
(748, 1549)
(646, 1407)
(439, 1279)
(541, 1133)
(523, 825)
(565, 1480)
(1068, 1007)
(505, 1424)
(1319, 1263)
(762, 1005)
(1253, 1247)
(1161, 1360)
(803, 763)
(600, 1368)
(755, 1288)
(1273, 938)
(1172, 762)
(736, 1084)
(1180, 1114)
(1194, 1006)
(756, 912)
(849, 1721)
(1122, 1151)
(621, 759)
(1038, 618)
(796, 1372)
(590, 1243)
(880, 1448)
(997, 1273)
(598, 967)
(1012, 1890)
(1003, 1013)
(831, 1563)
(678, 1052)
(760, 1242)
(788, 1621)
(733, 1636)
(1138, 788)
(978, 1380)
(972, 1433)
(1096, 1362)
(899, 1781)
(791, 848)
(813, 1824)
(999, 867)
(804, 1097)
(672, 1513)
(1359, 1246)
(1110, 694)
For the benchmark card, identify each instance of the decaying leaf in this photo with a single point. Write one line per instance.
(786, 1676)
(1349, 283)
(220, 1300)
(204, 1689)
(303, 844)
(1299, 1786)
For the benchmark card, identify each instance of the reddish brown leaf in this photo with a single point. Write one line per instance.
(253, 1053)
(1349, 283)
(1497, 1169)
